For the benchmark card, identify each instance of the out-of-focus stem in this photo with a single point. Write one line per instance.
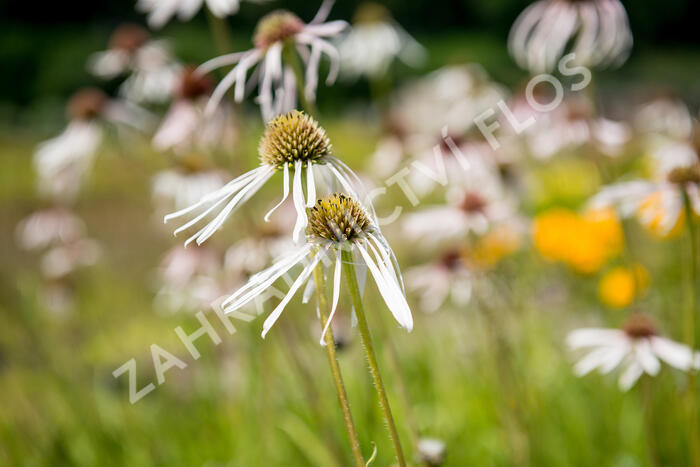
(689, 325)
(220, 33)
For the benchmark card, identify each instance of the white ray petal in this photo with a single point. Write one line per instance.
(285, 195)
(274, 316)
(336, 294)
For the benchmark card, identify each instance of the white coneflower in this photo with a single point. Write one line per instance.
(190, 278)
(678, 177)
(62, 161)
(336, 223)
(49, 227)
(637, 347)
(186, 127)
(446, 278)
(469, 210)
(153, 71)
(665, 117)
(452, 97)
(572, 125)
(596, 31)
(293, 144)
(375, 41)
(276, 34)
(161, 11)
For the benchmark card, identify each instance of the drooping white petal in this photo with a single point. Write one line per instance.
(285, 191)
(299, 203)
(630, 375)
(336, 294)
(393, 297)
(677, 355)
(272, 318)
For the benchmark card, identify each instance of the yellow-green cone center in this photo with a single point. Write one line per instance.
(293, 137)
(337, 218)
(276, 26)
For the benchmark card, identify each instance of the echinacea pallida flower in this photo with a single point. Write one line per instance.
(293, 144)
(276, 33)
(61, 162)
(637, 347)
(161, 11)
(375, 41)
(336, 223)
(632, 197)
(150, 64)
(448, 277)
(596, 31)
(186, 127)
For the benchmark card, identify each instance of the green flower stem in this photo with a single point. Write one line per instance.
(335, 370)
(689, 325)
(290, 57)
(220, 32)
(349, 272)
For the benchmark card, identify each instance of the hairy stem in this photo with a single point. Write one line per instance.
(349, 272)
(335, 370)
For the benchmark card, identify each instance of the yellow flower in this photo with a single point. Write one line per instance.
(621, 285)
(584, 242)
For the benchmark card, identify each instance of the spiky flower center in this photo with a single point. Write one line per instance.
(337, 218)
(128, 37)
(639, 326)
(86, 104)
(293, 137)
(276, 26)
(683, 175)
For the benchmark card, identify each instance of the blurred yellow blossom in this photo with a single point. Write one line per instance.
(495, 245)
(651, 213)
(621, 285)
(583, 242)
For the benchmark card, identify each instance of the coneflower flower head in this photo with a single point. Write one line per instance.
(295, 145)
(277, 34)
(86, 104)
(597, 32)
(337, 223)
(293, 137)
(337, 218)
(128, 37)
(277, 26)
(637, 347)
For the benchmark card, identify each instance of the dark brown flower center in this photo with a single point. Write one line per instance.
(193, 85)
(639, 326)
(451, 260)
(683, 175)
(473, 203)
(86, 104)
(128, 37)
